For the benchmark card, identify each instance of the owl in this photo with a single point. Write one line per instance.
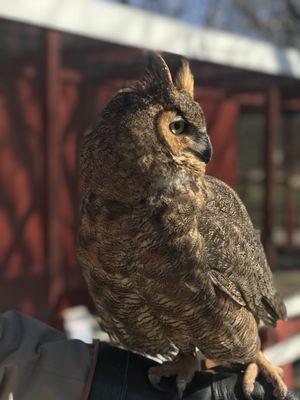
(169, 254)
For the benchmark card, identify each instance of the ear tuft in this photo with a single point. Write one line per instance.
(184, 79)
(158, 69)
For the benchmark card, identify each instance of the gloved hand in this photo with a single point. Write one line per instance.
(122, 375)
(227, 385)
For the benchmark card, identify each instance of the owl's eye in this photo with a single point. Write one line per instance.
(178, 126)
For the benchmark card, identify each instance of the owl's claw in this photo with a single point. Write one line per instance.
(155, 381)
(272, 373)
(183, 367)
(181, 385)
(249, 379)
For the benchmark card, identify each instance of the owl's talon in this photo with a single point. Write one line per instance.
(155, 381)
(272, 374)
(181, 385)
(246, 392)
(249, 378)
(183, 367)
(279, 395)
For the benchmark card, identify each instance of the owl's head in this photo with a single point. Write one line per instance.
(151, 129)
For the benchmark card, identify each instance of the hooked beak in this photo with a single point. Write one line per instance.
(202, 148)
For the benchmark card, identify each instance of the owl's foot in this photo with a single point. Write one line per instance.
(272, 373)
(209, 363)
(183, 367)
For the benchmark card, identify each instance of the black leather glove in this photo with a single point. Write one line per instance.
(227, 385)
(121, 375)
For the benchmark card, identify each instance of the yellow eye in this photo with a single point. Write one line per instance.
(177, 127)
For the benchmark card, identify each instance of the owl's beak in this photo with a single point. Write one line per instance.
(207, 152)
(202, 148)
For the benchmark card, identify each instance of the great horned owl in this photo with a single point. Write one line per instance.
(169, 254)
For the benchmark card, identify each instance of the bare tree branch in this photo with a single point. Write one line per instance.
(274, 20)
(249, 12)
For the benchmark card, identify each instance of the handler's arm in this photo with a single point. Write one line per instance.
(39, 362)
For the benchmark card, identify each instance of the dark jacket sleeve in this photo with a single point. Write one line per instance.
(39, 362)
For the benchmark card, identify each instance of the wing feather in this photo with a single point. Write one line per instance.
(237, 262)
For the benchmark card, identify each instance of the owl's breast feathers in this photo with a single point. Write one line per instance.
(177, 269)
